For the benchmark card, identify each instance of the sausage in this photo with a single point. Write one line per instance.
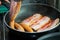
(26, 27)
(12, 24)
(19, 27)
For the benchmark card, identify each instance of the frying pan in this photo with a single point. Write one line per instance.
(28, 10)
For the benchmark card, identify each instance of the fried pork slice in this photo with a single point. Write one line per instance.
(53, 25)
(40, 23)
(29, 21)
(44, 27)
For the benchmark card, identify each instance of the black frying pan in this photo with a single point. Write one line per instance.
(28, 10)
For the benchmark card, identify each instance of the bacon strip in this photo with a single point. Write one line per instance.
(53, 24)
(41, 23)
(31, 20)
(44, 27)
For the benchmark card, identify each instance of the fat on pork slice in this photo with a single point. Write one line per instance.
(30, 20)
(44, 27)
(52, 25)
(40, 23)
